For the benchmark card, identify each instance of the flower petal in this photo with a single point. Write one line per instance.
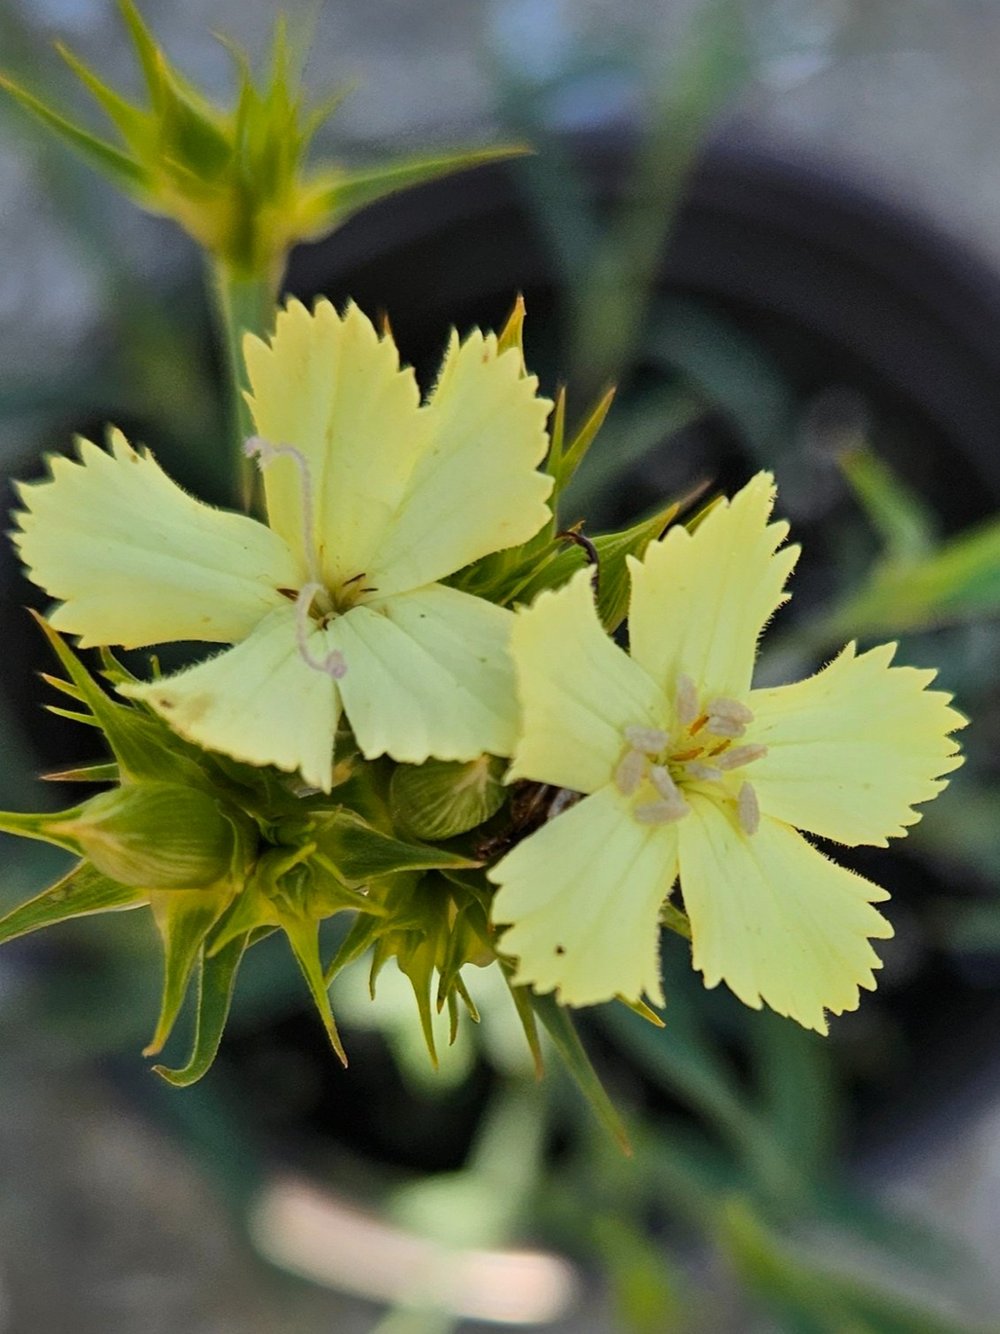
(853, 748)
(700, 600)
(260, 702)
(773, 918)
(578, 691)
(135, 560)
(475, 488)
(584, 895)
(428, 673)
(331, 388)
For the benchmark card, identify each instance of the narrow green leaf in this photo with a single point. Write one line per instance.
(84, 891)
(360, 853)
(560, 1028)
(216, 980)
(904, 523)
(356, 189)
(184, 918)
(575, 452)
(110, 161)
(613, 550)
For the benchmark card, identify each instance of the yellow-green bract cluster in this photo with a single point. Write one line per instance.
(236, 178)
(421, 715)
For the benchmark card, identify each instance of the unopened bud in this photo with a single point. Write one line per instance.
(442, 798)
(157, 836)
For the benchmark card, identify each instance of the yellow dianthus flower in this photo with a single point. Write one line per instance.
(691, 773)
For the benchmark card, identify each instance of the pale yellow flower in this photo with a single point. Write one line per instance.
(336, 604)
(690, 772)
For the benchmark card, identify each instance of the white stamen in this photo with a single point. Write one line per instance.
(740, 755)
(748, 809)
(705, 773)
(686, 701)
(265, 453)
(719, 725)
(661, 812)
(630, 772)
(650, 740)
(663, 783)
(333, 664)
(729, 708)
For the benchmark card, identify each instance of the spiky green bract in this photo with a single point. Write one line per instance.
(236, 178)
(553, 555)
(224, 854)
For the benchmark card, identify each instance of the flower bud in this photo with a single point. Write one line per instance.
(158, 836)
(443, 798)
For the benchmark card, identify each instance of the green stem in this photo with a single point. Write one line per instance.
(243, 304)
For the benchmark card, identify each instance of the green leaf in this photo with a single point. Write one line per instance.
(184, 919)
(146, 48)
(904, 523)
(128, 175)
(560, 1028)
(358, 852)
(216, 980)
(959, 581)
(356, 189)
(80, 893)
(572, 455)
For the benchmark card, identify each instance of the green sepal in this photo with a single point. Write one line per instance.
(613, 550)
(303, 936)
(442, 798)
(125, 173)
(522, 998)
(130, 121)
(83, 892)
(354, 189)
(44, 828)
(143, 746)
(85, 773)
(560, 1028)
(358, 852)
(184, 919)
(216, 981)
